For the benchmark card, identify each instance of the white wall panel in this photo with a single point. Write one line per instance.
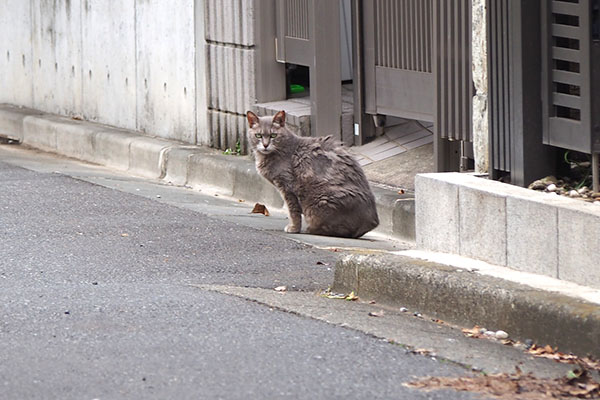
(166, 68)
(56, 38)
(15, 53)
(108, 62)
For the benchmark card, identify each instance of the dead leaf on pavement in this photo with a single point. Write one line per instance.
(517, 386)
(552, 354)
(339, 296)
(260, 209)
(474, 332)
(424, 352)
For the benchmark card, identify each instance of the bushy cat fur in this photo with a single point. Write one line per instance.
(316, 177)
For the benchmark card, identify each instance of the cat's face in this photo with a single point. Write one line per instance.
(266, 134)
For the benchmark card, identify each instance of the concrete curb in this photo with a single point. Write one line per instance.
(467, 299)
(174, 162)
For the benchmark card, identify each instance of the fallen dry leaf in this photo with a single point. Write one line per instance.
(553, 354)
(260, 209)
(424, 352)
(474, 332)
(339, 296)
(517, 386)
(124, 234)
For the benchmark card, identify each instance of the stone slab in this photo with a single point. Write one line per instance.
(526, 222)
(579, 244)
(482, 225)
(436, 214)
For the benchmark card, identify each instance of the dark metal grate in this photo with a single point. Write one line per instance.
(566, 87)
(404, 34)
(296, 12)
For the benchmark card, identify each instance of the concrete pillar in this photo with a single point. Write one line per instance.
(480, 79)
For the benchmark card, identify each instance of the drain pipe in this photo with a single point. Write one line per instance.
(595, 172)
(464, 160)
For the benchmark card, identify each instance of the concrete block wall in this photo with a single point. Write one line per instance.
(510, 226)
(231, 51)
(131, 64)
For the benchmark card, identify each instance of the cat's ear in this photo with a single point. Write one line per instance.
(252, 119)
(279, 119)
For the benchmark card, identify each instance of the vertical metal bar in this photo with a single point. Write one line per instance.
(324, 70)
(363, 123)
(457, 62)
(387, 33)
(506, 81)
(440, 66)
(377, 29)
(369, 52)
(404, 47)
(429, 32)
(419, 36)
(394, 34)
(411, 33)
(595, 172)
(467, 71)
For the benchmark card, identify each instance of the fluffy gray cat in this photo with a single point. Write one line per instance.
(317, 177)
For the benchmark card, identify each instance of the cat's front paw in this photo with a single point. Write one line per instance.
(292, 229)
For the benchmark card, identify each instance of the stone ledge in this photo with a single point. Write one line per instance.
(509, 226)
(457, 296)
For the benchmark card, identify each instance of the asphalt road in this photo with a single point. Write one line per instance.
(102, 298)
(113, 287)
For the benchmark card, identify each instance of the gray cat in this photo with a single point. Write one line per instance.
(316, 177)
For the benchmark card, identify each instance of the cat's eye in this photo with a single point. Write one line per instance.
(273, 135)
(258, 135)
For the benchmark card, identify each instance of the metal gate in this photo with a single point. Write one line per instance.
(566, 78)
(398, 58)
(567, 50)
(417, 64)
(308, 34)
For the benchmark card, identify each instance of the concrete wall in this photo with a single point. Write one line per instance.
(231, 54)
(129, 63)
(16, 55)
